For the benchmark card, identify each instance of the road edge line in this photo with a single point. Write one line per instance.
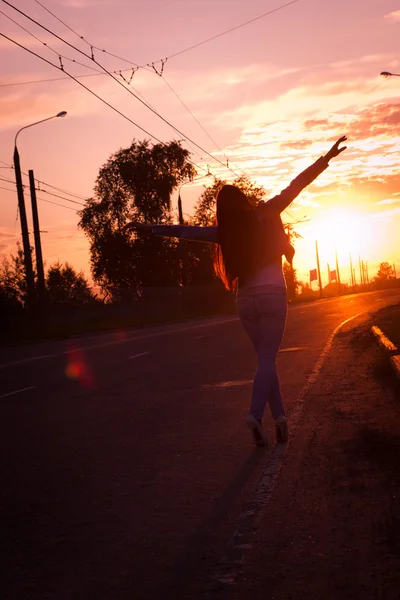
(392, 351)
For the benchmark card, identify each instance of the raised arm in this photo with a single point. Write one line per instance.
(282, 200)
(186, 232)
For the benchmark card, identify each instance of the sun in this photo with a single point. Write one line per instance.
(342, 231)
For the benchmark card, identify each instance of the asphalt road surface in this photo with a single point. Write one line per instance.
(126, 461)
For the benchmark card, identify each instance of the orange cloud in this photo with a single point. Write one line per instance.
(393, 16)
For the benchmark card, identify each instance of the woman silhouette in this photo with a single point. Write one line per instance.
(250, 242)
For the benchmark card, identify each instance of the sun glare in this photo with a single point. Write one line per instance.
(343, 231)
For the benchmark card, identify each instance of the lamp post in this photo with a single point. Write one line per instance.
(388, 74)
(22, 212)
(185, 269)
(180, 213)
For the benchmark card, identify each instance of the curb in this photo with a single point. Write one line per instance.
(392, 351)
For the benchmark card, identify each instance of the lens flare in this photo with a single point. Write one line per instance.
(78, 368)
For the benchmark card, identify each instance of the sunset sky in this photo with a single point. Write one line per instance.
(273, 95)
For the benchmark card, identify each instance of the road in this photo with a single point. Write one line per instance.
(126, 461)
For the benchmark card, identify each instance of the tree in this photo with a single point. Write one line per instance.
(67, 287)
(292, 282)
(206, 205)
(13, 288)
(385, 276)
(9, 294)
(135, 183)
(385, 272)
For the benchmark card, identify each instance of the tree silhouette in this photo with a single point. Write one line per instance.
(385, 272)
(135, 183)
(67, 287)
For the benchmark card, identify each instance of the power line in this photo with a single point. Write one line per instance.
(97, 71)
(61, 21)
(195, 118)
(39, 181)
(138, 66)
(81, 84)
(60, 56)
(115, 79)
(61, 197)
(266, 14)
(90, 91)
(42, 199)
(60, 189)
(50, 79)
(57, 204)
(214, 37)
(141, 66)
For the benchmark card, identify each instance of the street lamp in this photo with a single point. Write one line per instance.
(388, 74)
(185, 269)
(22, 211)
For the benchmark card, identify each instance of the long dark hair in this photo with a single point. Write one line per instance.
(237, 251)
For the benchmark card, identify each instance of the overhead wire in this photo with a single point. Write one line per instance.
(209, 39)
(148, 65)
(60, 56)
(218, 35)
(138, 67)
(39, 181)
(42, 199)
(91, 92)
(115, 79)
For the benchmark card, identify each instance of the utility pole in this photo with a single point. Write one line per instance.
(351, 273)
(36, 233)
(24, 230)
(361, 273)
(366, 272)
(337, 273)
(394, 271)
(184, 254)
(319, 271)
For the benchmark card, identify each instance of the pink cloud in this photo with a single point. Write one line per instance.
(393, 16)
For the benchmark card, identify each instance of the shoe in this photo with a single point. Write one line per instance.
(281, 429)
(259, 437)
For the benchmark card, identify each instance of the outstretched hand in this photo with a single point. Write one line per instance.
(137, 226)
(335, 150)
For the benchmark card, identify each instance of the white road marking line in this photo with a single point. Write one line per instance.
(32, 387)
(151, 335)
(253, 510)
(116, 342)
(25, 360)
(148, 336)
(137, 355)
(294, 349)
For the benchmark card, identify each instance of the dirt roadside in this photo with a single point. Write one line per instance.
(331, 529)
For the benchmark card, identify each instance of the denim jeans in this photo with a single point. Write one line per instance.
(262, 311)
